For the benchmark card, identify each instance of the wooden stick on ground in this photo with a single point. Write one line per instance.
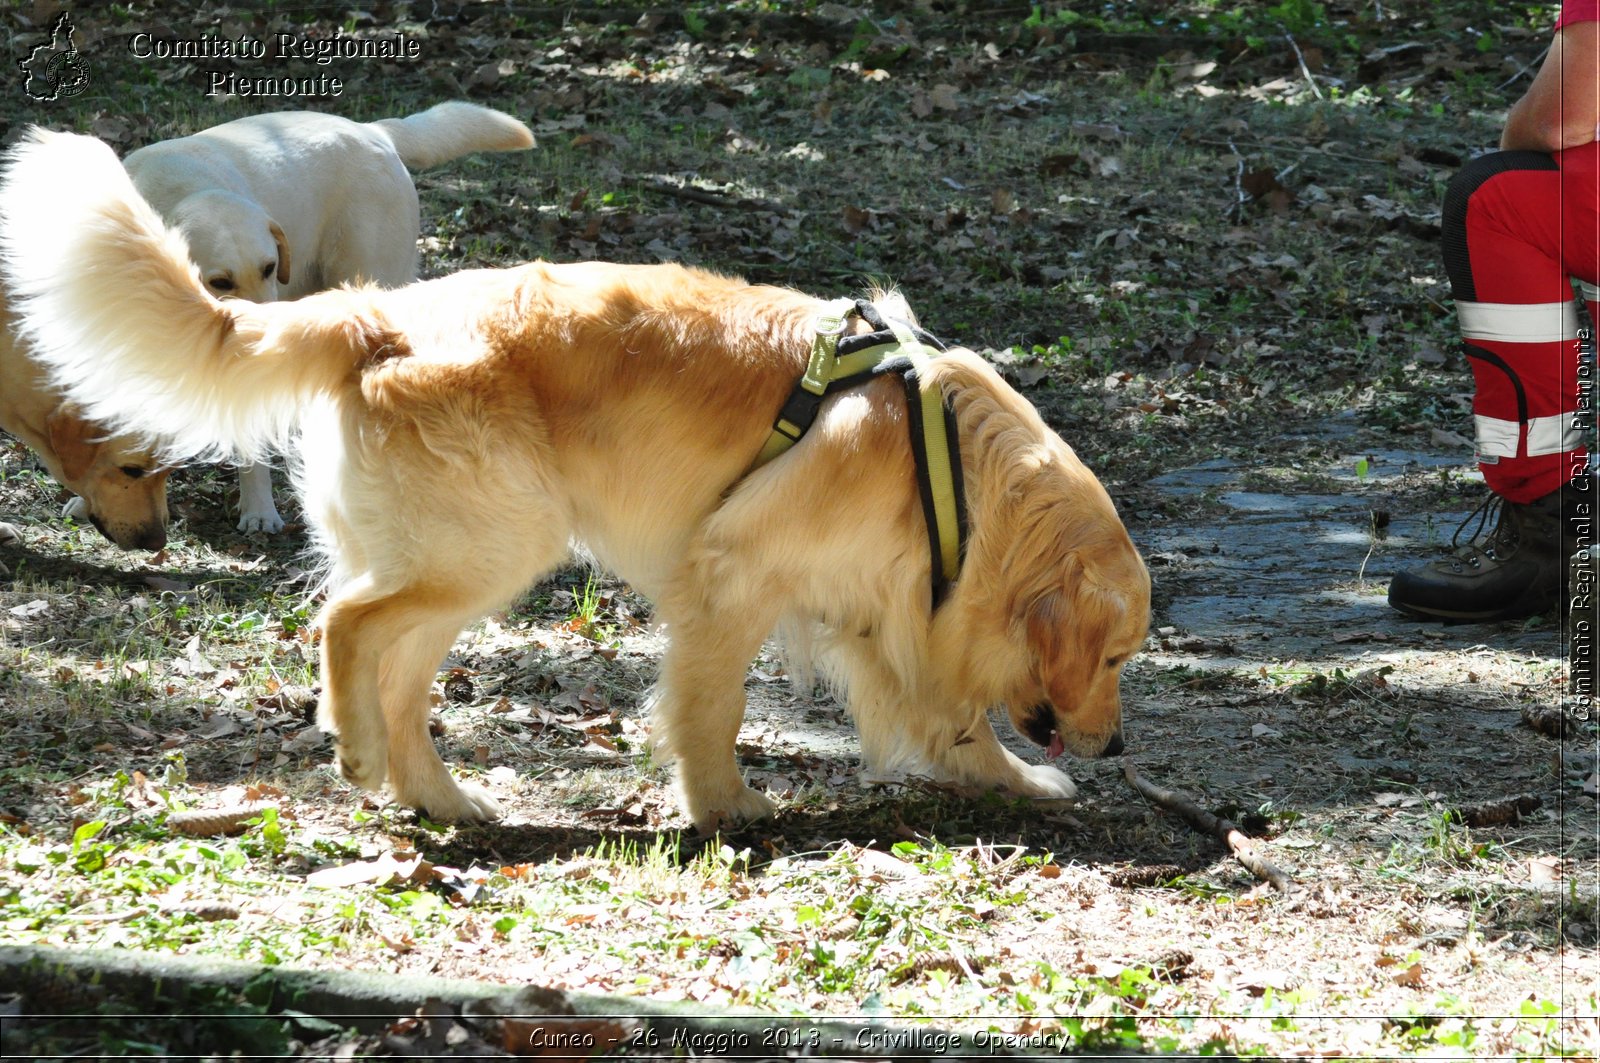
(705, 195)
(1306, 70)
(1236, 208)
(1242, 847)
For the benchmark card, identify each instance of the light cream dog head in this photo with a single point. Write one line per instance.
(240, 249)
(122, 486)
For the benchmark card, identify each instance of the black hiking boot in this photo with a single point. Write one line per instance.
(1516, 570)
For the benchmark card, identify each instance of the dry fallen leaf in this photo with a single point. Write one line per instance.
(1411, 977)
(1263, 185)
(944, 97)
(305, 740)
(386, 870)
(1544, 869)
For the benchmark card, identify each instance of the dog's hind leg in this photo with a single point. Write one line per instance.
(379, 656)
(349, 707)
(417, 776)
(698, 704)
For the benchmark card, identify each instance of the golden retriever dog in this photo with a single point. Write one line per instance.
(458, 435)
(275, 206)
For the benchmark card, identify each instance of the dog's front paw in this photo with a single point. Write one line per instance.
(76, 509)
(1042, 782)
(434, 793)
(463, 803)
(257, 511)
(257, 520)
(728, 808)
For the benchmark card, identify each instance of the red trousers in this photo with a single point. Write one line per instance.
(1519, 228)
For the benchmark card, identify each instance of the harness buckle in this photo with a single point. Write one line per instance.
(832, 323)
(829, 326)
(934, 434)
(800, 409)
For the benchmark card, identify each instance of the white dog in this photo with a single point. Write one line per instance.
(276, 206)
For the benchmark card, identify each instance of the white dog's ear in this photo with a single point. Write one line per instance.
(283, 250)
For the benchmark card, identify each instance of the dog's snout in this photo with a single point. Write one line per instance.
(149, 537)
(1113, 747)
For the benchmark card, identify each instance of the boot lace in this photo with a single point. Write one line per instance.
(1500, 542)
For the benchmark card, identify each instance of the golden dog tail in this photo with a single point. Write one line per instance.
(109, 302)
(449, 130)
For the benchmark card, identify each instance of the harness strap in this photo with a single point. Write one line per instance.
(837, 364)
(934, 443)
(800, 409)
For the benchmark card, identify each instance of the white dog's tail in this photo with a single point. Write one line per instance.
(449, 130)
(107, 299)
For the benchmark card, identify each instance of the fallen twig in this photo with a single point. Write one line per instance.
(705, 195)
(1303, 68)
(1242, 847)
(1236, 208)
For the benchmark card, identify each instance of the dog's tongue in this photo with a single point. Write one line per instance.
(1056, 747)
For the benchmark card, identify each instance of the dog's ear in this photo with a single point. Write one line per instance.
(1046, 620)
(1068, 628)
(74, 440)
(283, 250)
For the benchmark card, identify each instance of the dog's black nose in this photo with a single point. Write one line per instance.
(1114, 747)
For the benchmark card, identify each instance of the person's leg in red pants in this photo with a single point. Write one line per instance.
(1519, 227)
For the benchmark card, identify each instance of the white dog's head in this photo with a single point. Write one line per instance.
(241, 251)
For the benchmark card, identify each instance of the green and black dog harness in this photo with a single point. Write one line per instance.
(839, 362)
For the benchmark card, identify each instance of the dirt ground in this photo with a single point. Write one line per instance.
(1202, 239)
